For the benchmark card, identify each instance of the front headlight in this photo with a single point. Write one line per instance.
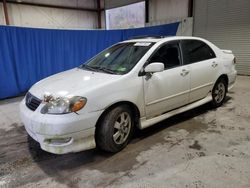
(63, 105)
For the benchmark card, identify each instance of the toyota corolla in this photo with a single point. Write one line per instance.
(137, 82)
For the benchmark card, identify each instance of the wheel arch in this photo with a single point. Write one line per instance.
(135, 111)
(224, 77)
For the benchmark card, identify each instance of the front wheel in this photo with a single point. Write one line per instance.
(115, 129)
(219, 92)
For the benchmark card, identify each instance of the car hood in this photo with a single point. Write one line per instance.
(72, 82)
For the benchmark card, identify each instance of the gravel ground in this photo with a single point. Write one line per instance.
(204, 147)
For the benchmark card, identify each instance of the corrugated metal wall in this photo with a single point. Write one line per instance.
(227, 24)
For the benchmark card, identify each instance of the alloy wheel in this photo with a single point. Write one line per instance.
(122, 128)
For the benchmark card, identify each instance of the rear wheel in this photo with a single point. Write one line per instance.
(219, 92)
(115, 129)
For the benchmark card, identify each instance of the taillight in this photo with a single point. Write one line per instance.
(234, 61)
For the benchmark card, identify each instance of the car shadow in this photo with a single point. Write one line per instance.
(74, 159)
(58, 167)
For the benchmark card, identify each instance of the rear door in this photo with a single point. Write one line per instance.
(169, 89)
(203, 67)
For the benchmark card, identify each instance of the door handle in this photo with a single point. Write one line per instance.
(214, 64)
(184, 72)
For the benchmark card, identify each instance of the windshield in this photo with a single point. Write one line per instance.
(118, 59)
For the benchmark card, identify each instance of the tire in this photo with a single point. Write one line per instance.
(115, 129)
(219, 92)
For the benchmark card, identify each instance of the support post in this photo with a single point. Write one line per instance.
(99, 12)
(6, 16)
(190, 8)
(147, 11)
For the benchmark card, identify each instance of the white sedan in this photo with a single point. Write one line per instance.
(137, 82)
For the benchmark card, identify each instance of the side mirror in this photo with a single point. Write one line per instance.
(154, 67)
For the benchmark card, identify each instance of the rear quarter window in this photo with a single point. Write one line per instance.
(195, 51)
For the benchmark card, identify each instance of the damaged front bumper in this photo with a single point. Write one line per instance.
(60, 134)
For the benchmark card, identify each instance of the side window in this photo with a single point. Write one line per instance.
(195, 51)
(168, 54)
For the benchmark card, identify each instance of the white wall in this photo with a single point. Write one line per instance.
(160, 10)
(185, 27)
(170, 11)
(34, 16)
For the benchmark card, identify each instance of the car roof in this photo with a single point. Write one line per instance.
(163, 39)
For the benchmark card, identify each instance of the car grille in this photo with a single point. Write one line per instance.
(32, 102)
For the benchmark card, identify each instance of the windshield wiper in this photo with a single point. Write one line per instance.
(106, 70)
(88, 67)
(103, 69)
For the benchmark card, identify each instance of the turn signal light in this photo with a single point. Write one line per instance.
(78, 105)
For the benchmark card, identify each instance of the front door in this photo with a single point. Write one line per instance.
(167, 90)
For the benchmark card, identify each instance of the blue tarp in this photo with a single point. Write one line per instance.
(28, 55)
